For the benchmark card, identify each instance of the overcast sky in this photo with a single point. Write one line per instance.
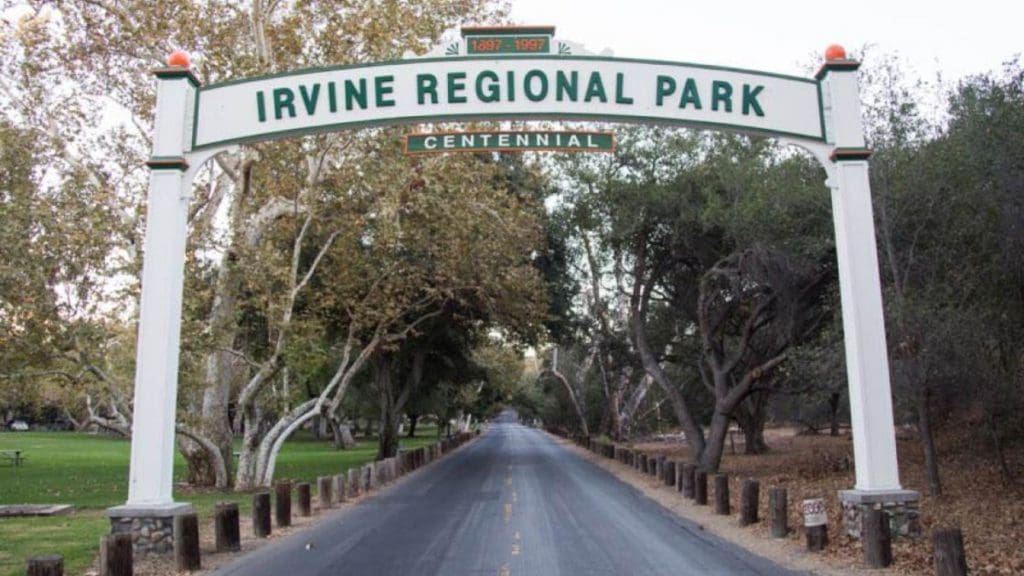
(956, 38)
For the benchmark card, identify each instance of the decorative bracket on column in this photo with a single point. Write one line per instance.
(850, 154)
(167, 163)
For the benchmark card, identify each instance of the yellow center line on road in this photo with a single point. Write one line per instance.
(504, 571)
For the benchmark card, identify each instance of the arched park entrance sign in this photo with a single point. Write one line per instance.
(506, 74)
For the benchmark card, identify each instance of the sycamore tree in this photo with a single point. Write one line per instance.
(76, 72)
(434, 239)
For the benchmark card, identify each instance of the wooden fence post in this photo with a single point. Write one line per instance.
(722, 507)
(950, 559)
(339, 489)
(283, 504)
(51, 565)
(876, 537)
(778, 511)
(670, 473)
(353, 482)
(689, 471)
(700, 487)
(749, 501)
(186, 542)
(304, 497)
(116, 555)
(324, 491)
(226, 530)
(261, 514)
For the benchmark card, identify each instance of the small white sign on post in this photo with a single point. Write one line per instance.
(814, 512)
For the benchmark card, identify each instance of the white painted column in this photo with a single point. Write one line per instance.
(156, 369)
(867, 360)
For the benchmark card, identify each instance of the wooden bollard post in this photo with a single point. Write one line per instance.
(368, 477)
(876, 537)
(815, 524)
(325, 492)
(722, 506)
(283, 504)
(186, 542)
(51, 565)
(749, 501)
(700, 487)
(339, 489)
(670, 473)
(659, 467)
(261, 514)
(950, 559)
(353, 482)
(116, 555)
(302, 492)
(687, 483)
(778, 511)
(227, 534)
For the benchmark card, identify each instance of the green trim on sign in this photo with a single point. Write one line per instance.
(195, 119)
(177, 72)
(850, 154)
(837, 66)
(821, 113)
(167, 163)
(429, 118)
(418, 61)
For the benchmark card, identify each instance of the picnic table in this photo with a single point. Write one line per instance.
(13, 457)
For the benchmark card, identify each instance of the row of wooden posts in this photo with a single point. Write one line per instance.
(116, 555)
(692, 482)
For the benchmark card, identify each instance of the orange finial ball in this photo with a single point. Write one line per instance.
(835, 52)
(179, 58)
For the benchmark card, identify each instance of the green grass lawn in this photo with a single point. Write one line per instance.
(91, 472)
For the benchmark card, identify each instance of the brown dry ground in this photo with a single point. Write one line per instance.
(990, 512)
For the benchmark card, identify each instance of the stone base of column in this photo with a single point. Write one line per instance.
(902, 507)
(151, 527)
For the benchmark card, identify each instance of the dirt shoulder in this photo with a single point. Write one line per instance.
(976, 499)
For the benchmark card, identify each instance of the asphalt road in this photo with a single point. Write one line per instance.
(513, 503)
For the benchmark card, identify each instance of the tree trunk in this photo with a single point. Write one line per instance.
(220, 365)
(711, 458)
(413, 418)
(198, 464)
(212, 458)
(924, 427)
(694, 433)
(751, 415)
(388, 441)
(391, 403)
(833, 411)
(341, 433)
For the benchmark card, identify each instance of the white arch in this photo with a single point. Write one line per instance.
(193, 125)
